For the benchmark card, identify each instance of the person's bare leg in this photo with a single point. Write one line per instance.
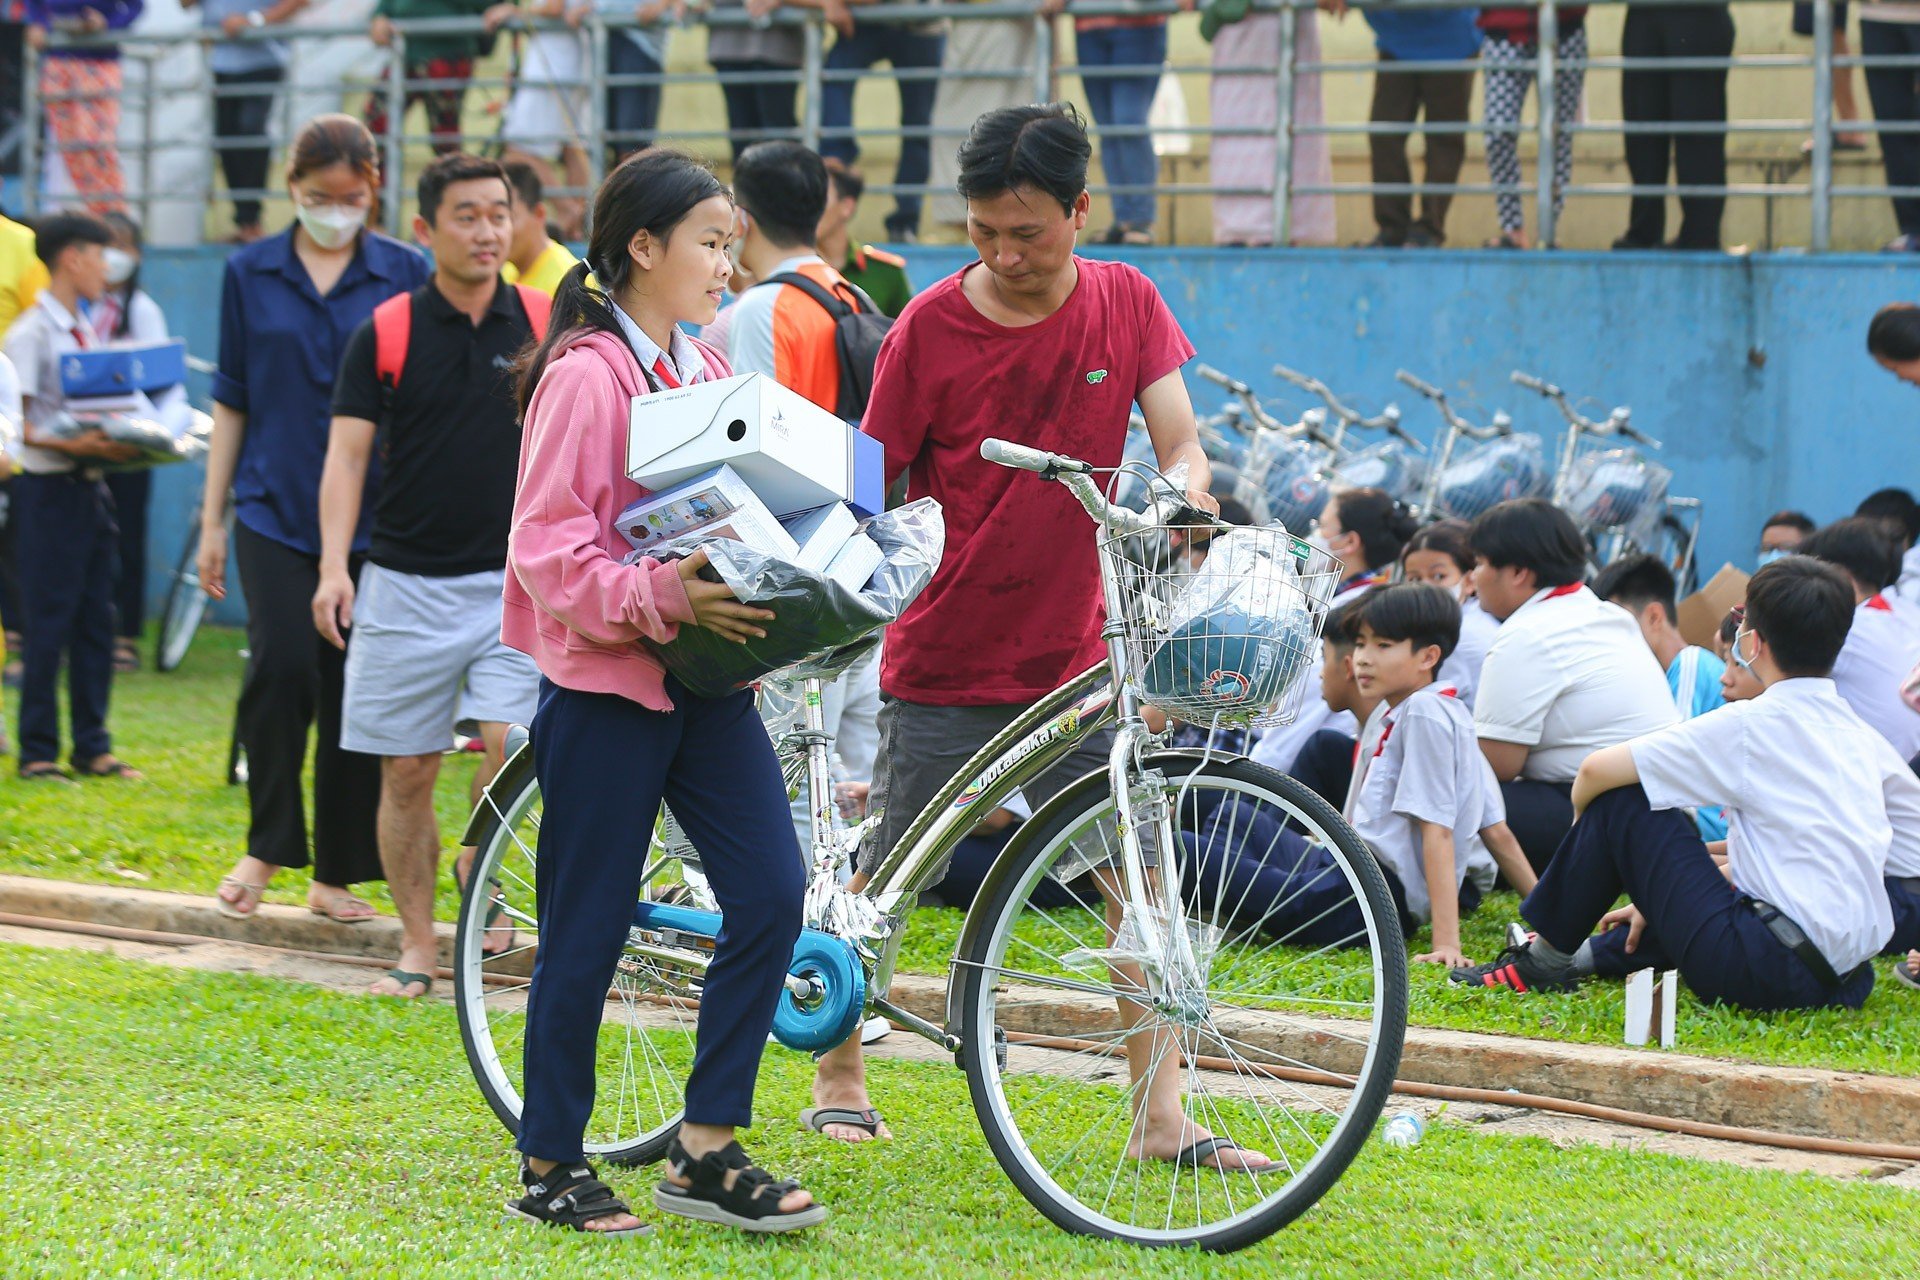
(840, 1076)
(1154, 1062)
(493, 736)
(1845, 106)
(410, 855)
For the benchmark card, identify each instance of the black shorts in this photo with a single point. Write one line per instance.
(1803, 19)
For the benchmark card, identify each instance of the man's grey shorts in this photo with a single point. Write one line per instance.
(922, 747)
(426, 653)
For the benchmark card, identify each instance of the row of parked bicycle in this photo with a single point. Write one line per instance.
(1281, 465)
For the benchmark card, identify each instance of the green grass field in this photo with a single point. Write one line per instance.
(164, 1123)
(182, 830)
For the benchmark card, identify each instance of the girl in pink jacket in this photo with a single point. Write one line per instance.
(615, 735)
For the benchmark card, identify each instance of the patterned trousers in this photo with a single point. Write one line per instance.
(1506, 93)
(88, 122)
(442, 105)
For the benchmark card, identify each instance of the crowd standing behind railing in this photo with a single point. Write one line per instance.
(586, 78)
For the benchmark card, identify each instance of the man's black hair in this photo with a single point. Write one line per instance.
(528, 190)
(1638, 581)
(1894, 333)
(455, 166)
(60, 231)
(1803, 609)
(1413, 611)
(1791, 520)
(847, 183)
(1531, 533)
(783, 187)
(1896, 507)
(1043, 147)
(1866, 548)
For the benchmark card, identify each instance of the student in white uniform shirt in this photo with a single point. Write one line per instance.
(1884, 643)
(1441, 555)
(1897, 509)
(1818, 808)
(1423, 799)
(1365, 530)
(1567, 675)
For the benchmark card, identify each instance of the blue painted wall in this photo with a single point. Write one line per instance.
(1752, 370)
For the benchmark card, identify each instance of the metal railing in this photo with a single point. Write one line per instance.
(1043, 73)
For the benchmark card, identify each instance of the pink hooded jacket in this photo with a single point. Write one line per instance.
(570, 603)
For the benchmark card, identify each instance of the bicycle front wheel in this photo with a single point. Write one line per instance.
(1094, 1060)
(186, 605)
(645, 1043)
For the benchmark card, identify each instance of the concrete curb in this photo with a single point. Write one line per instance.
(1852, 1106)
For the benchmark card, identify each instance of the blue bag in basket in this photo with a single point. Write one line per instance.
(120, 368)
(1510, 467)
(1238, 635)
(1289, 472)
(1616, 489)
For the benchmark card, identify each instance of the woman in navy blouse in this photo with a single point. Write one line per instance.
(288, 306)
(81, 88)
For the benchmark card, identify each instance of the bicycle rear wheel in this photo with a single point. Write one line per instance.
(1284, 1035)
(646, 1038)
(186, 606)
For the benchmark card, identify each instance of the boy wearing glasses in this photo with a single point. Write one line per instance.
(1819, 810)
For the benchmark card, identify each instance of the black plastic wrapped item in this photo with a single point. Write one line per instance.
(818, 625)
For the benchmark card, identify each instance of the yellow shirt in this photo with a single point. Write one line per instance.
(22, 274)
(545, 274)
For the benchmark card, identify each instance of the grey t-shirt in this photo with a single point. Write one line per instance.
(233, 57)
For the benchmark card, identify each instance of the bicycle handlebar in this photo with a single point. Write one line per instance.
(1500, 425)
(1617, 422)
(1232, 386)
(1424, 388)
(1387, 420)
(1078, 477)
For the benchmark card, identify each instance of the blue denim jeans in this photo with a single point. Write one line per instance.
(1122, 101)
(905, 50)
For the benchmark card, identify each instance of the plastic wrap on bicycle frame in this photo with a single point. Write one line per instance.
(1513, 466)
(1236, 637)
(819, 627)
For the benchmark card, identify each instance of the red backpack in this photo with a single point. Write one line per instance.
(393, 330)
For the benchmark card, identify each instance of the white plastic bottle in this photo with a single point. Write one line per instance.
(1404, 1129)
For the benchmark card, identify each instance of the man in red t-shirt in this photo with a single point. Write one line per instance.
(1036, 345)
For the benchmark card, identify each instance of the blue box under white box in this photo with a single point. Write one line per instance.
(120, 367)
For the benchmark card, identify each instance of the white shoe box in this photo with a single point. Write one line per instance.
(714, 504)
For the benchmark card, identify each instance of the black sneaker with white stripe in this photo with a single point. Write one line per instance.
(1518, 969)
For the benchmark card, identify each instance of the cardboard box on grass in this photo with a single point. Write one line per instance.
(714, 504)
(792, 453)
(1701, 612)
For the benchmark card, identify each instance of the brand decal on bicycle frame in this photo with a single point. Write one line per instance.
(1065, 725)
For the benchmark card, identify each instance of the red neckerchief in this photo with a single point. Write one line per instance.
(1371, 578)
(664, 371)
(1877, 601)
(1567, 590)
(1445, 691)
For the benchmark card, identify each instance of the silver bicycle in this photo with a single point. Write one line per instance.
(1151, 954)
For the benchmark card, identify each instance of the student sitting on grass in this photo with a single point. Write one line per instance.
(1441, 555)
(1884, 643)
(1424, 800)
(1326, 762)
(1644, 587)
(1817, 802)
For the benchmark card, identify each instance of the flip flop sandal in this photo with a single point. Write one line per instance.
(1194, 1157)
(818, 1118)
(333, 912)
(406, 978)
(44, 772)
(108, 767)
(571, 1197)
(1903, 974)
(751, 1204)
(237, 910)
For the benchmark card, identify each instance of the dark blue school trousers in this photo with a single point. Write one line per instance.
(68, 549)
(1539, 814)
(1903, 895)
(604, 765)
(1242, 861)
(1325, 763)
(1697, 922)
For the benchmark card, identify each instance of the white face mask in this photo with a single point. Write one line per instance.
(332, 226)
(120, 265)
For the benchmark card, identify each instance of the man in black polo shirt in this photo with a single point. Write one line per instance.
(426, 621)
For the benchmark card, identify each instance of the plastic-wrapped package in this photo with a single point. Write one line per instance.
(1291, 473)
(1513, 466)
(165, 429)
(818, 625)
(1238, 634)
(1391, 465)
(1618, 489)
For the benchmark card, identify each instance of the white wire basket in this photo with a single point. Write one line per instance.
(1617, 490)
(1234, 639)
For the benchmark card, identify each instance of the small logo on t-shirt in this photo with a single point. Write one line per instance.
(1096, 377)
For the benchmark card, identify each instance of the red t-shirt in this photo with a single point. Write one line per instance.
(1014, 609)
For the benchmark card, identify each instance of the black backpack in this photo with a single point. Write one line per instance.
(859, 328)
